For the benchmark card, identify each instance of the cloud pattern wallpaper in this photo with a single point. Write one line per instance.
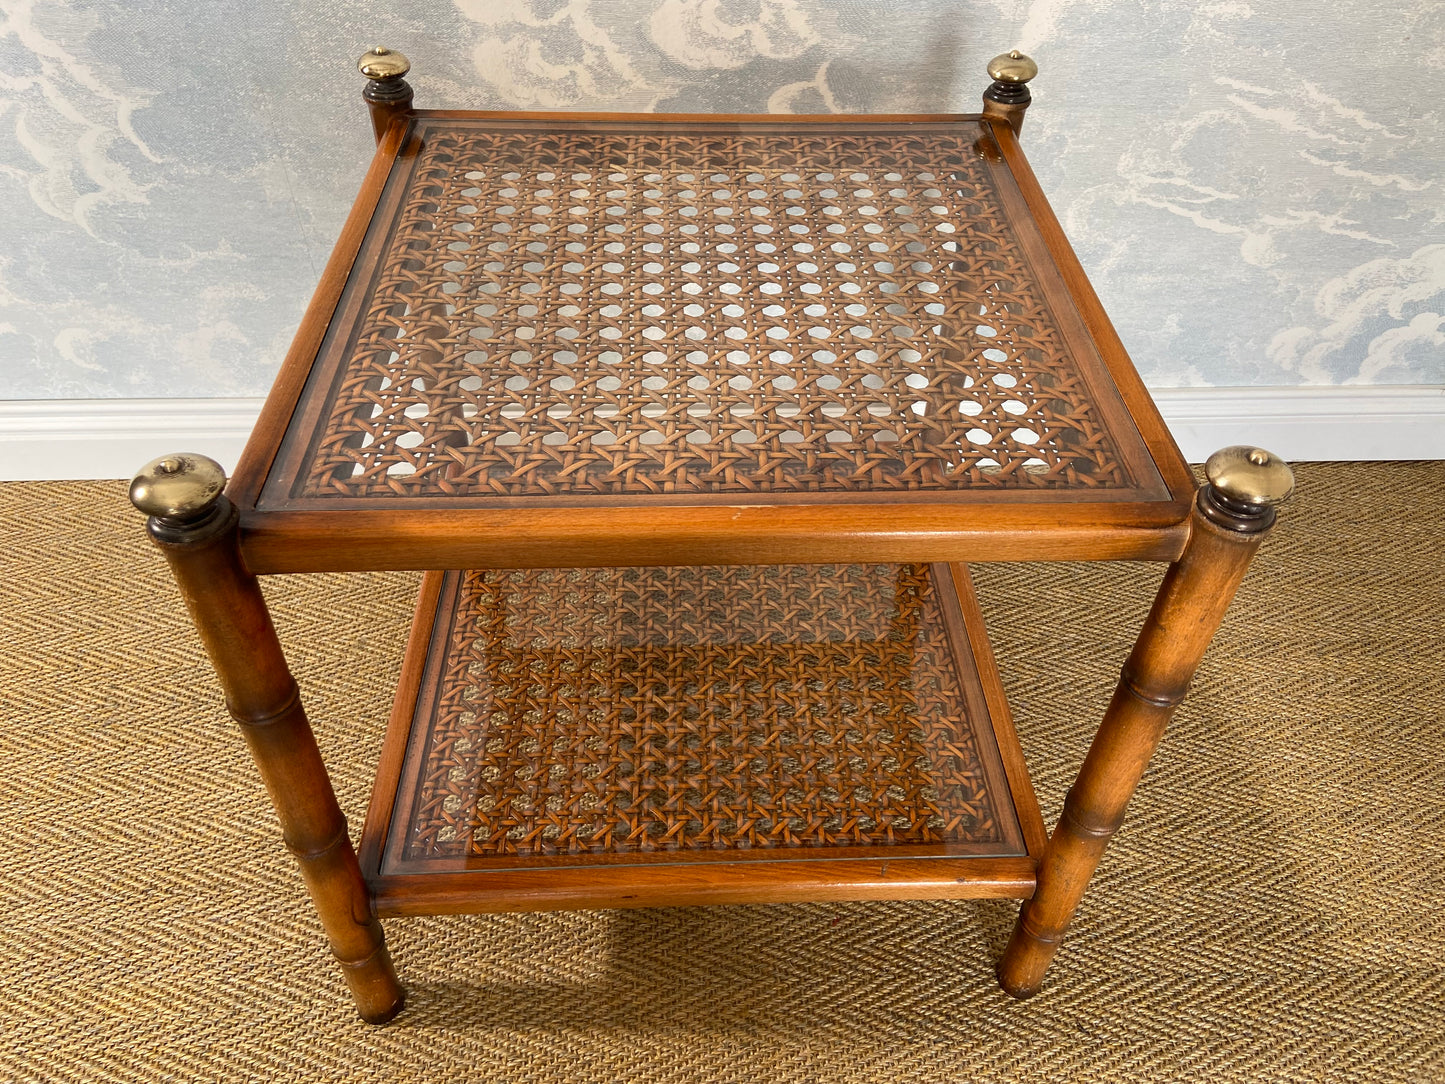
(1255, 188)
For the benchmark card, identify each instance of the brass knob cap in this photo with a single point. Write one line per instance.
(1249, 475)
(383, 63)
(179, 486)
(1012, 67)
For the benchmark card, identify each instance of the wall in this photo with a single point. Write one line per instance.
(1255, 188)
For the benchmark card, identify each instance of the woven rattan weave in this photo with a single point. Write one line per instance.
(678, 385)
(606, 311)
(606, 712)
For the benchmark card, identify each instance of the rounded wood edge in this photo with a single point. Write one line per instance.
(704, 884)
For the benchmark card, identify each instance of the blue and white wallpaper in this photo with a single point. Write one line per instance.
(1255, 188)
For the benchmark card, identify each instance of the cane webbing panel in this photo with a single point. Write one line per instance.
(612, 312)
(619, 712)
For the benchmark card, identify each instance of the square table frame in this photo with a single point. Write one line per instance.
(218, 542)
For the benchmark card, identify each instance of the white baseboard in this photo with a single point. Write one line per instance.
(1309, 424)
(51, 439)
(109, 438)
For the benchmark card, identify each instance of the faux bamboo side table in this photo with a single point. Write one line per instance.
(700, 418)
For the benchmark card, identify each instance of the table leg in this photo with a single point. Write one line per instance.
(1007, 97)
(195, 526)
(388, 96)
(1232, 514)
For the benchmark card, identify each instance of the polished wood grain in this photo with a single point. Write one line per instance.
(1121, 371)
(694, 884)
(1191, 602)
(1010, 113)
(993, 858)
(424, 532)
(265, 440)
(230, 613)
(1111, 486)
(362, 540)
(419, 651)
(990, 685)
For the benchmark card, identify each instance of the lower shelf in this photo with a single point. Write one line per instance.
(633, 737)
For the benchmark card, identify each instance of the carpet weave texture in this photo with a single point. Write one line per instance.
(1273, 910)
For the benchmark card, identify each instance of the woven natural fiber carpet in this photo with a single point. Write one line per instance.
(1274, 909)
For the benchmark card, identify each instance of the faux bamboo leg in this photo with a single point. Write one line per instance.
(195, 527)
(1232, 514)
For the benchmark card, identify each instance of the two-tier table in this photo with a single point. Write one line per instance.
(700, 418)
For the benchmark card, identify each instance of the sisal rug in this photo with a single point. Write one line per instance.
(1274, 909)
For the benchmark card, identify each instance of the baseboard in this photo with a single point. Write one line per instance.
(1310, 424)
(109, 438)
(43, 439)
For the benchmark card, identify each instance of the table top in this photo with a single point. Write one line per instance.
(588, 315)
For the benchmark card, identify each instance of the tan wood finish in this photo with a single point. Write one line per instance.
(972, 746)
(399, 341)
(1077, 521)
(707, 884)
(991, 686)
(225, 602)
(387, 95)
(1191, 602)
(366, 540)
(265, 439)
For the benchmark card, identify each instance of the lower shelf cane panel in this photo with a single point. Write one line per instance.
(621, 737)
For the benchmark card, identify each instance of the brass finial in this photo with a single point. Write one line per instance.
(383, 63)
(1012, 67)
(1251, 476)
(179, 486)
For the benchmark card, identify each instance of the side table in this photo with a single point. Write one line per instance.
(698, 421)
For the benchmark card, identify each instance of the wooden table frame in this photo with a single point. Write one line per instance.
(217, 543)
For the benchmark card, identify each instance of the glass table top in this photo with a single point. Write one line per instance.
(611, 311)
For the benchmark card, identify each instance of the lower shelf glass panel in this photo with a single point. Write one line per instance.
(694, 726)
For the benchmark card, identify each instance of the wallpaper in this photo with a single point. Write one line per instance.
(1255, 188)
